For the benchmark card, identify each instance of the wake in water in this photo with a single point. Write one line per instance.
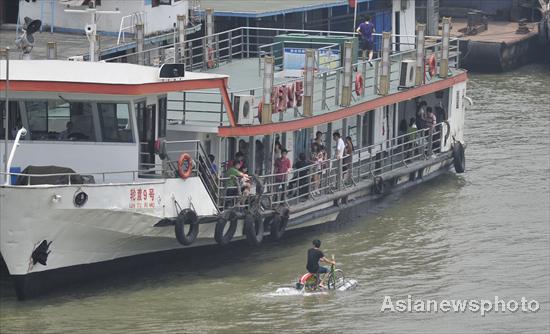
(298, 290)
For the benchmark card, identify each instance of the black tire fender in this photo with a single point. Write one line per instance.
(279, 222)
(254, 228)
(459, 158)
(186, 217)
(230, 217)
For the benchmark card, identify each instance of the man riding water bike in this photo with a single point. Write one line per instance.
(314, 255)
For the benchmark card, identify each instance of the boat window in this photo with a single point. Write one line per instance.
(163, 101)
(115, 122)
(60, 120)
(14, 120)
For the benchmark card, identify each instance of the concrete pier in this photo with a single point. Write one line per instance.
(68, 45)
(498, 48)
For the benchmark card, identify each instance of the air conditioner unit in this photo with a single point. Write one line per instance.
(76, 58)
(407, 74)
(242, 106)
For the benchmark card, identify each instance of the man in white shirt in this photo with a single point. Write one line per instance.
(340, 145)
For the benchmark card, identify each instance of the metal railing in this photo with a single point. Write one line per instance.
(325, 177)
(249, 42)
(131, 21)
(30, 179)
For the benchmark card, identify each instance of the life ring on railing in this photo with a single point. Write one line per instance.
(254, 228)
(226, 217)
(210, 57)
(298, 93)
(290, 95)
(260, 108)
(186, 217)
(185, 173)
(359, 84)
(432, 65)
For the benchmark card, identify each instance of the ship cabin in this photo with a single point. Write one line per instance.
(251, 94)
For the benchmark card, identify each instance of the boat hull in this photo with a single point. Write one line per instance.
(137, 250)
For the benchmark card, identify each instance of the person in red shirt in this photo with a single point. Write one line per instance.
(282, 168)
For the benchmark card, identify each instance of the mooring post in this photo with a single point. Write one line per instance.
(308, 82)
(51, 50)
(179, 48)
(419, 72)
(346, 87)
(267, 90)
(384, 83)
(444, 62)
(140, 40)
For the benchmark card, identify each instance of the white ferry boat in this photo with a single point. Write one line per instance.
(116, 159)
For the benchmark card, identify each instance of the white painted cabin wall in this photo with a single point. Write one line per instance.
(456, 112)
(82, 157)
(160, 18)
(408, 23)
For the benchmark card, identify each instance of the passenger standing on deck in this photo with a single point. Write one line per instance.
(213, 166)
(319, 138)
(348, 157)
(366, 29)
(412, 143)
(431, 121)
(430, 118)
(235, 177)
(340, 145)
(420, 115)
(282, 167)
(318, 156)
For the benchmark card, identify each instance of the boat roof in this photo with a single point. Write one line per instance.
(90, 72)
(100, 78)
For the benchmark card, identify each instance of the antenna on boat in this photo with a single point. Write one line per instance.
(25, 41)
(91, 28)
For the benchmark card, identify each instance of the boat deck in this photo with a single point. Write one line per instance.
(205, 108)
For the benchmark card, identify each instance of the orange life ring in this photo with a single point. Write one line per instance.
(260, 108)
(210, 62)
(298, 93)
(432, 65)
(359, 84)
(290, 96)
(187, 172)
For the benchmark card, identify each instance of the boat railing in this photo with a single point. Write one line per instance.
(201, 165)
(206, 107)
(32, 179)
(128, 23)
(210, 51)
(329, 176)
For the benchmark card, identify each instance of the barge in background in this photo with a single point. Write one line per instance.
(128, 145)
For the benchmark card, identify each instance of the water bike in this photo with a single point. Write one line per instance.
(309, 283)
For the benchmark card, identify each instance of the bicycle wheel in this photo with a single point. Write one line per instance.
(336, 279)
